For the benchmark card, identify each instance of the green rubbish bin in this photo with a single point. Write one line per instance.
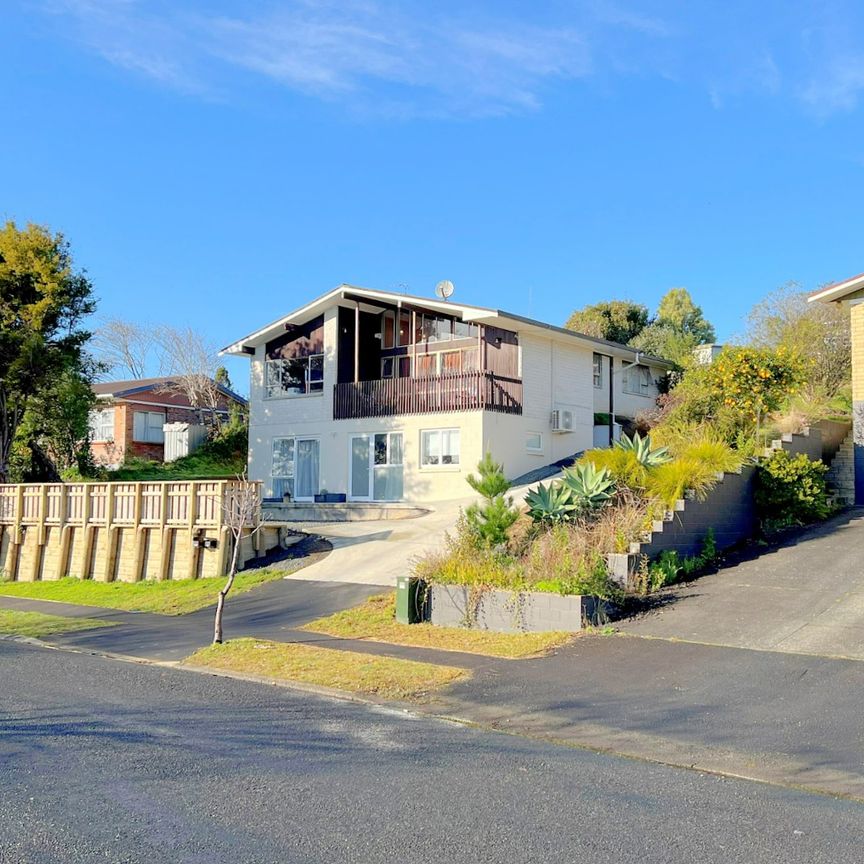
(409, 600)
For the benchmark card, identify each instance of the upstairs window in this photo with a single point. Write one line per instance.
(296, 376)
(147, 427)
(638, 381)
(102, 424)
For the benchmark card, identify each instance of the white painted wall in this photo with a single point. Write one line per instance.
(626, 404)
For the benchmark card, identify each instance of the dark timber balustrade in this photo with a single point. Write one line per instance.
(457, 391)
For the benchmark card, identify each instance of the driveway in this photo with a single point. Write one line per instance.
(807, 596)
(378, 552)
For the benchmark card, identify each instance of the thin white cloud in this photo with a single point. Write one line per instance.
(474, 65)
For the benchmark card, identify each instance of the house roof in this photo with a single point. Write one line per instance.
(122, 389)
(838, 290)
(351, 294)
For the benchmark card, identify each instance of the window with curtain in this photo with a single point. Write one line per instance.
(638, 381)
(102, 424)
(282, 467)
(387, 467)
(147, 427)
(439, 447)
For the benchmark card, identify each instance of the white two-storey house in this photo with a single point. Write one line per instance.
(386, 397)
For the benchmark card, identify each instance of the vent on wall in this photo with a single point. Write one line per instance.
(562, 420)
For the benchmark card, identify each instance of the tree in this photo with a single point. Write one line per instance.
(818, 331)
(243, 516)
(43, 302)
(54, 434)
(192, 364)
(613, 320)
(490, 522)
(124, 347)
(676, 330)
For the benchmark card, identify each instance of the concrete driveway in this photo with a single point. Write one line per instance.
(807, 596)
(378, 552)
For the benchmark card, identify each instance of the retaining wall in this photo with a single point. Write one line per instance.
(121, 531)
(509, 611)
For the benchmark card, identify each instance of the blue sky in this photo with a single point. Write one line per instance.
(217, 164)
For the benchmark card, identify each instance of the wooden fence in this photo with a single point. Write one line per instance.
(127, 531)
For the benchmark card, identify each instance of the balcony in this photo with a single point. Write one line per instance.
(435, 394)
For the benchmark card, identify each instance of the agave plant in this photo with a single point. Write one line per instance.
(552, 503)
(641, 449)
(588, 486)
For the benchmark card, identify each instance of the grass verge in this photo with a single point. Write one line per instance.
(376, 620)
(387, 677)
(164, 598)
(36, 625)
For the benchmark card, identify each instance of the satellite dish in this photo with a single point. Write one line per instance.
(444, 289)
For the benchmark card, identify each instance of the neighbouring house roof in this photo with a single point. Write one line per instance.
(124, 389)
(350, 295)
(838, 290)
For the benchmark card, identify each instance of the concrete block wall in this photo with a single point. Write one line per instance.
(509, 611)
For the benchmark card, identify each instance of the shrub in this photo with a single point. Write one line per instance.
(791, 490)
(589, 487)
(668, 483)
(645, 455)
(669, 566)
(550, 504)
(622, 465)
(490, 522)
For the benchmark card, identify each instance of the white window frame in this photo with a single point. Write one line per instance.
(441, 465)
(396, 360)
(538, 450)
(391, 316)
(597, 364)
(645, 386)
(153, 431)
(100, 421)
(272, 385)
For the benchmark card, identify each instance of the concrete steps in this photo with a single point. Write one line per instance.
(841, 475)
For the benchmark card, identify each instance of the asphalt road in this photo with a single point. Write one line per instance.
(105, 761)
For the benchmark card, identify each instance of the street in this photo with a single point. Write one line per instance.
(112, 761)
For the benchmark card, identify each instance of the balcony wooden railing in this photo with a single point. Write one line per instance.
(456, 391)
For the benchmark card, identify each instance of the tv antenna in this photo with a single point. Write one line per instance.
(444, 289)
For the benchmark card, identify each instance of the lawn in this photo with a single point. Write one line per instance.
(36, 625)
(164, 598)
(376, 620)
(367, 674)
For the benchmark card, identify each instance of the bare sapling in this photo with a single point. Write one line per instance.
(243, 516)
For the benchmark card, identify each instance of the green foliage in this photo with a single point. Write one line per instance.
(615, 320)
(819, 332)
(622, 464)
(754, 382)
(491, 521)
(642, 451)
(790, 490)
(676, 330)
(43, 301)
(550, 504)
(669, 567)
(590, 487)
(670, 482)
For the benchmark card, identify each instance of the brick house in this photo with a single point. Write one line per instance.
(128, 417)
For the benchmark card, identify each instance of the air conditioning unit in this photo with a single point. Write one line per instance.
(562, 420)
